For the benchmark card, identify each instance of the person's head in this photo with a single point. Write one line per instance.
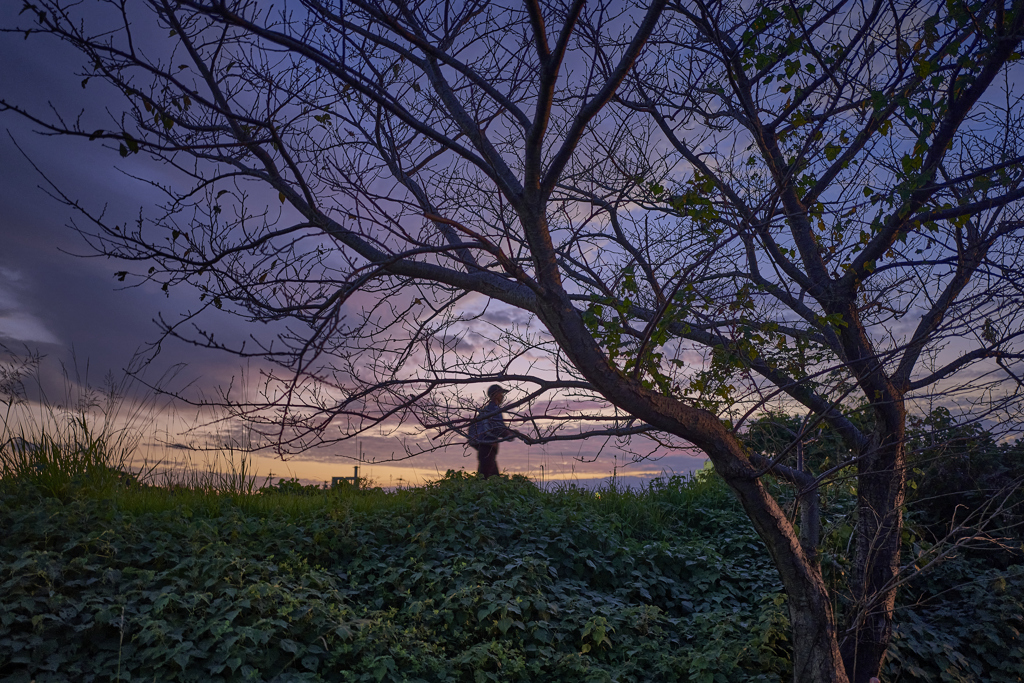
(496, 393)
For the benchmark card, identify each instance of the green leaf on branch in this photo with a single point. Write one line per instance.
(131, 143)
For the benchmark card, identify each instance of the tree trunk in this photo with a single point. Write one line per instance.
(881, 491)
(816, 654)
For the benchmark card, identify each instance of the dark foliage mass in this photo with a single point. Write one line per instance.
(958, 471)
(464, 580)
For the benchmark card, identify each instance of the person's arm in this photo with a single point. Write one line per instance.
(506, 433)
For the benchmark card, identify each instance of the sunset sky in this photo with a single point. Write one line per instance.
(66, 306)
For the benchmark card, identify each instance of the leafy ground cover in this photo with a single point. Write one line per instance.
(465, 580)
(462, 580)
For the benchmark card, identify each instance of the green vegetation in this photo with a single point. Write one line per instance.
(104, 578)
(464, 579)
(957, 469)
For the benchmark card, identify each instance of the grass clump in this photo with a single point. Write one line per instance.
(80, 445)
(74, 462)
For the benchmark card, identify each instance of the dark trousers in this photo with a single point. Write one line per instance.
(487, 457)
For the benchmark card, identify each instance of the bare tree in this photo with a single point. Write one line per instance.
(386, 184)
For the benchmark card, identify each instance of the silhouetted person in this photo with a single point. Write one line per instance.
(488, 430)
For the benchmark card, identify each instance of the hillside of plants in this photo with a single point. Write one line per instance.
(106, 578)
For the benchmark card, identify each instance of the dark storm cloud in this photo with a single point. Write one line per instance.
(18, 320)
(56, 295)
(50, 297)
